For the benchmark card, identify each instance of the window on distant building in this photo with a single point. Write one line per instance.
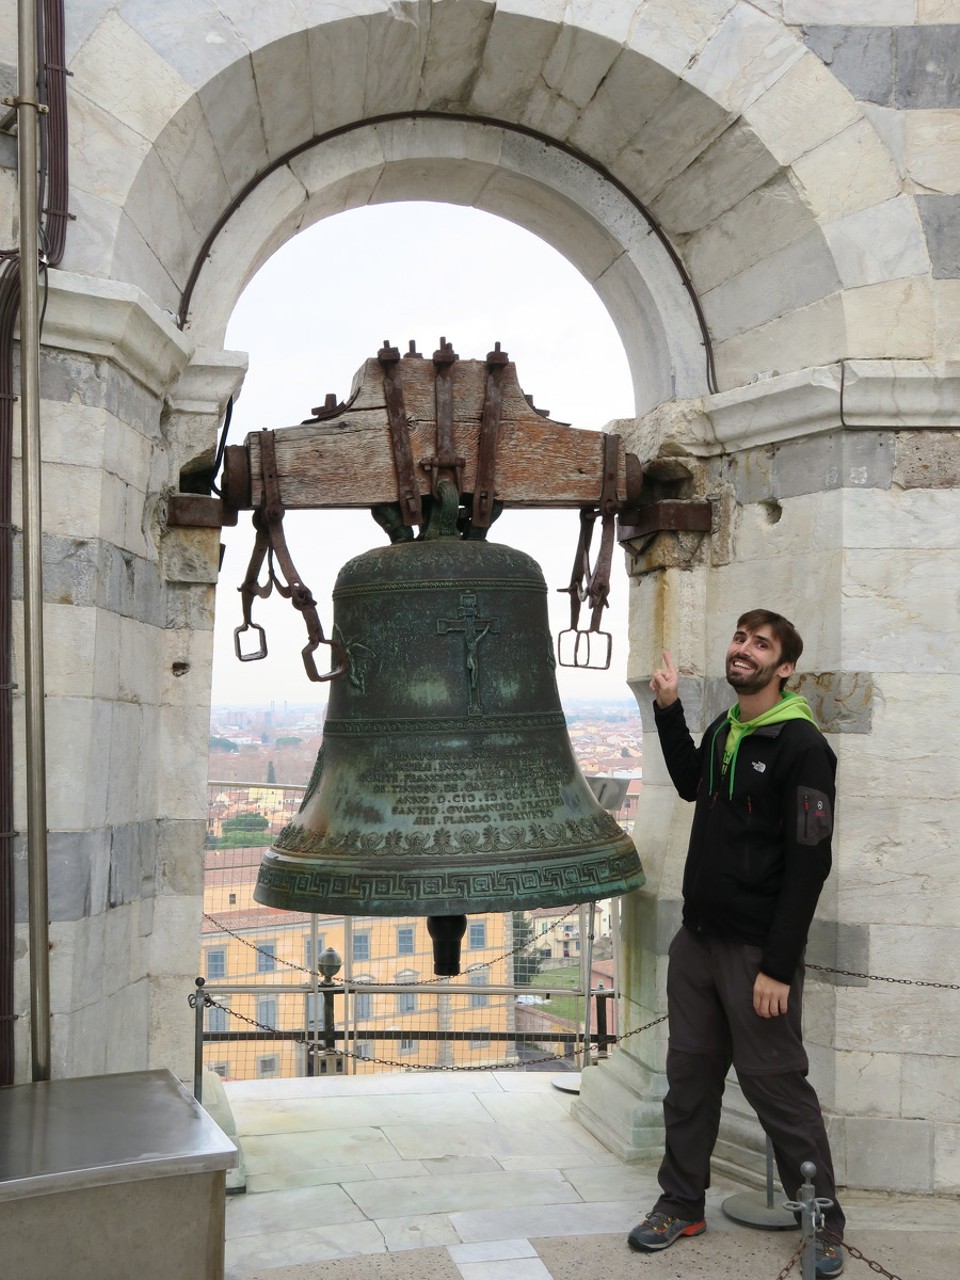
(221, 1068)
(217, 963)
(477, 939)
(407, 1002)
(314, 1010)
(361, 946)
(217, 1019)
(266, 957)
(267, 1011)
(477, 999)
(405, 940)
(269, 1066)
(363, 1049)
(231, 899)
(308, 960)
(409, 1046)
(362, 1006)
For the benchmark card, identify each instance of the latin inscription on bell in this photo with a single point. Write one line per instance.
(505, 789)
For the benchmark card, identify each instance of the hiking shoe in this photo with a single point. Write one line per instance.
(658, 1230)
(829, 1259)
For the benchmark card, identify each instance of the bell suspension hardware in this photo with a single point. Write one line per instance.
(483, 509)
(446, 783)
(271, 542)
(592, 584)
(446, 461)
(407, 488)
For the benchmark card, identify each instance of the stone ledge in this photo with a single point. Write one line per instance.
(118, 322)
(901, 394)
(896, 395)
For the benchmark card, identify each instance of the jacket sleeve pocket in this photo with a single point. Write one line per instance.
(814, 816)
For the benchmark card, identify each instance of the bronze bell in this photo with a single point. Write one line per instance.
(446, 782)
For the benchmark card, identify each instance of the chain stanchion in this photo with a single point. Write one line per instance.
(199, 1001)
(810, 1207)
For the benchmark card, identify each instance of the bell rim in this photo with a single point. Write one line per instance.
(329, 894)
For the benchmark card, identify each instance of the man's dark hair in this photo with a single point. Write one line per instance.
(784, 632)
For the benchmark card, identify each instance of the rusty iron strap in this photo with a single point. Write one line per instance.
(251, 590)
(446, 460)
(268, 521)
(407, 489)
(486, 481)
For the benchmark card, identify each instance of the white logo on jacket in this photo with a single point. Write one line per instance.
(759, 766)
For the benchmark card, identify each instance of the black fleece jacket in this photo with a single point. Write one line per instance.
(757, 858)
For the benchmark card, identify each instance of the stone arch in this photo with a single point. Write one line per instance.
(704, 117)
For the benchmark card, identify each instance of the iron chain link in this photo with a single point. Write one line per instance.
(855, 1253)
(792, 1263)
(873, 977)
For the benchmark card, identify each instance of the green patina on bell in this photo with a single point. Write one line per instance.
(446, 782)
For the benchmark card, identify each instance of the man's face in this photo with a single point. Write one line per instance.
(753, 660)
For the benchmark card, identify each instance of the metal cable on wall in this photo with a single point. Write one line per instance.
(53, 218)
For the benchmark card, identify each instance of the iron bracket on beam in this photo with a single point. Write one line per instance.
(672, 515)
(197, 511)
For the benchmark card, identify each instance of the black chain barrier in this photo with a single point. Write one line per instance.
(291, 964)
(873, 977)
(304, 1039)
(785, 1271)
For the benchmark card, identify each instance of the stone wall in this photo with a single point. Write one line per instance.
(767, 197)
(852, 532)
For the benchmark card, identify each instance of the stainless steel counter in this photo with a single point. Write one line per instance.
(63, 1135)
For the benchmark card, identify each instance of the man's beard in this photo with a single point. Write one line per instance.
(752, 681)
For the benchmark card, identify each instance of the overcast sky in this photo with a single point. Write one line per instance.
(323, 304)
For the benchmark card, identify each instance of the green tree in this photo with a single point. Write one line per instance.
(243, 840)
(245, 822)
(222, 744)
(271, 774)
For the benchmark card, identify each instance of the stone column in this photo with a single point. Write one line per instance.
(128, 612)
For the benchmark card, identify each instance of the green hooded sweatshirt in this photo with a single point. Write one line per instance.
(791, 706)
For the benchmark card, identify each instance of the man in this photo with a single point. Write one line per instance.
(762, 780)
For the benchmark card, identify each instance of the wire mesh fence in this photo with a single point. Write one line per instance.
(298, 994)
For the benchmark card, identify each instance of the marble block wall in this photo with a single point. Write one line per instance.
(851, 532)
(128, 615)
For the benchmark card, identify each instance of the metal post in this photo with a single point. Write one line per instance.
(313, 1050)
(810, 1207)
(748, 1208)
(588, 920)
(198, 1001)
(808, 1198)
(27, 135)
(329, 1028)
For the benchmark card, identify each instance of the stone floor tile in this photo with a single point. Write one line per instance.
(516, 1269)
(491, 1251)
(380, 1199)
(531, 1221)
(312, 1243)
(274, 1211)
(416, 1231)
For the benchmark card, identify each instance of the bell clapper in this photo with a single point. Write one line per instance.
(446, 932)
